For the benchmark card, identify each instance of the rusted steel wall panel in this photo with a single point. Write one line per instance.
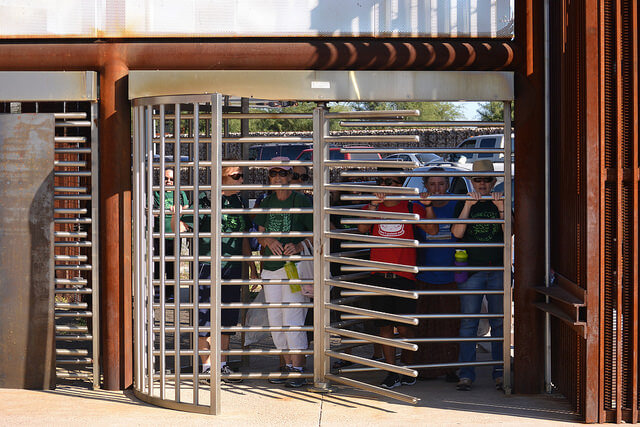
(26, 244)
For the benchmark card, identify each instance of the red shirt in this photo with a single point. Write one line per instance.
(398, 255)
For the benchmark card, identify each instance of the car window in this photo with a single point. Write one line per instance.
(428, 157)
(458, 185)
(392, 157)
(487, 143)
(306, 155)
(253, 153)
(293, 151)
(405, 158)
(471, 143)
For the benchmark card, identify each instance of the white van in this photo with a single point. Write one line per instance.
(483, 141)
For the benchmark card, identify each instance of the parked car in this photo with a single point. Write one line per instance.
(482, 141)
(420, 158)
(335, 154)
(458, 184)
(269, 151)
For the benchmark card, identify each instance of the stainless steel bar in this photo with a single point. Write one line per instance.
(72, 220)
(216, 246)
(149, 249)
(368, 139)
(247, 376)
(177, 202)
(267, 210)
(372, 189)
(70, 189)
(72, 150)
(266, 258)
(72, 173)
(426, 293)
(70, 258)
(371, 164)
(427, 340)
(374, 290)
(424, 316)
(371, 114)
(420, 124)
(73, 197)
(436, 150)
(248, 115)
(371, 239)
(80, 267)
(373, 314)
(321, 177)
(73, 124)
(70, 139)
(351, 245)
(430, 365)
(273, 187)
(70, 116)
(387, 266)
(250, 282)
(467, 268)
(70, 164)
(507, 250)
(245, 234)
(71, 234)
(373, 339)
(377, 390)
(263, 328)
(70, 211)
(375, 364)
(266, 163)
(372, 214)
(161, 246)
(267, 305)
(260, 352)
(411, 173)
(547, 198)
(95, 244)
(268, 139)
(421, 221)
(196, 242)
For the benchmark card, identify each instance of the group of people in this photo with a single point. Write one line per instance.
(475, 207)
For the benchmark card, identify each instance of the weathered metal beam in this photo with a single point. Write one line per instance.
(115, 223)
(280, 54)
(529, 225)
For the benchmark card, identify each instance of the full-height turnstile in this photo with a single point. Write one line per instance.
(185, 133)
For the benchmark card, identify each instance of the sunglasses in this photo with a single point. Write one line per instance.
(301, 177)
(236, 176)
(482, 179)
(389, 181)
(168, 179)
(275, 172)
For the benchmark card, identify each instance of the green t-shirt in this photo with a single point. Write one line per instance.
(482, 233)
(230, 223)
(283, 222)
(168, 202)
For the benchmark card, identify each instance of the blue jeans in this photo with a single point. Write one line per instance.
(471, 304)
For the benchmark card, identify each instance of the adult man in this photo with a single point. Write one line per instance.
(433, 352)
(284, 222)
(169, 202)
(231, 175)
(475, 208)
(395, 279)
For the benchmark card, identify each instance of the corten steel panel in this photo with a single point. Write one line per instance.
(26, 243)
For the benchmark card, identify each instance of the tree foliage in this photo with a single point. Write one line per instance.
(492, 111)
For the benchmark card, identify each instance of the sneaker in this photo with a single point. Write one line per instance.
(339, 364)
(296, 382)
(464, 384)
(392, 381)
(407, 380)
(283, 369)
(204, 376)
(226, 370)
(499, 384)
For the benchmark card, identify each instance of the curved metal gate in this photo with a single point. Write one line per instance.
(186, 133)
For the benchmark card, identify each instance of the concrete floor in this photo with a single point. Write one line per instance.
(257, 402)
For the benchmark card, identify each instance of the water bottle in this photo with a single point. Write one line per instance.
(292, 273)
(460, 260)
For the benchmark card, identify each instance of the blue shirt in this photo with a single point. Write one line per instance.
(437, 257)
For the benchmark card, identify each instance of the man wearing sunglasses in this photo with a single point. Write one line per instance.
(284, 198)
(395, 279)
(169, 202)
(231, 175)
(476, 208)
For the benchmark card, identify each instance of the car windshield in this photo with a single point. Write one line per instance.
(428, 157)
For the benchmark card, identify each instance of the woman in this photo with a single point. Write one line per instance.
(284, 222)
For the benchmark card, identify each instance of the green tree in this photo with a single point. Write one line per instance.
(492, 111)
